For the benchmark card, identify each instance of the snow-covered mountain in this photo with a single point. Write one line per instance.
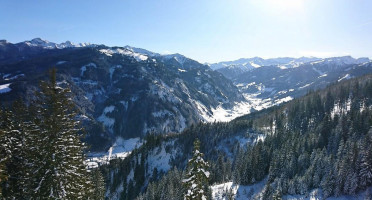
(233, 68)
(130, 91)
(270, 85)
(303, 138)
(38, 42)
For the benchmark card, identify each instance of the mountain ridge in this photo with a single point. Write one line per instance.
(129, 93)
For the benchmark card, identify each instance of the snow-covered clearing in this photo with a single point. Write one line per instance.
(219, 192)
(5, 88)
(159, 157)
(120, 149)
(107, 121)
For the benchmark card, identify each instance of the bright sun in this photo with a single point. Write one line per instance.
(281, 6)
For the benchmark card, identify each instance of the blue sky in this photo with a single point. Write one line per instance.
(205, 30)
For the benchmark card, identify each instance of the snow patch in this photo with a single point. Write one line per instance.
(346, 77)
(239, 192)
(254, 65)
(125, 104)
(9, 77)
(317, 62)
(307, 85)
(162, 113)
(112, 70)
(126, 52)
(159, 158)
(282, 100)
(318, 71)
(61, 62)
(107, 121)
(84, 68)
(5, 88)
(120, 149)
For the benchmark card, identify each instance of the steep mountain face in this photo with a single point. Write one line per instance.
(231, 69)
(130, 91)
(270, 85)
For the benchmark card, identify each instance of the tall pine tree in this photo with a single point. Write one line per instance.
(196, 181)
(4, 149)
(60, 172)
(20, 131)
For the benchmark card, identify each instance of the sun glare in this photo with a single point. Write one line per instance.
(281, 6)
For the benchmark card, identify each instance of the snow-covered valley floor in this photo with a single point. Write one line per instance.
(252, 103)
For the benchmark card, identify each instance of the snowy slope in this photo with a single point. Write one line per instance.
(120, 149)
(243, 192)
(239, 192)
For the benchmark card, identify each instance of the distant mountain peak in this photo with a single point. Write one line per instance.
(45, 44)
(3, 42)
(140, 50)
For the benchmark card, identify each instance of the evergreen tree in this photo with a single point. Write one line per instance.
(5, 152)
(20, 132)
(98, 183)
(196, 182)
(365, 173)
(277, 195)
(60, 172)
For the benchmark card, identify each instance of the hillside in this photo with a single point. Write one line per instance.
(120, 91)
(270, 85)
(317, 141)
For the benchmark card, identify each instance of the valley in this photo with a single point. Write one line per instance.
(142, 111)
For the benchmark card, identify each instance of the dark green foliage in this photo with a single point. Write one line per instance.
(169, 187)
(5, 152)
(220, 170)
(19, 137)
(44, 152)
(98, 184)
(316, 146)
(60, 171)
